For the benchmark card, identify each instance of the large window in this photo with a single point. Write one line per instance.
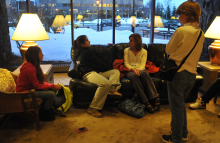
(95, 20)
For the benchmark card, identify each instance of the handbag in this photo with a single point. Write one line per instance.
(132, 107)
(168, 67)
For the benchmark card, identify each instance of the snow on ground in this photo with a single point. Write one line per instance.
(58, 47)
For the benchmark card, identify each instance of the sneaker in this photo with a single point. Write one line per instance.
(115, 94)
(94, 112)
(183, 138)
(167, 139)
(199, 104)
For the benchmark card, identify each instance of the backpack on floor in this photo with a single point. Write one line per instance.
(132, 107)
(63, 99)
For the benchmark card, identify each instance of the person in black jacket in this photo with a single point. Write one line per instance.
(97, 72)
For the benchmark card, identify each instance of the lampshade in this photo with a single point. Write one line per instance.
(118, 17)
(133, 20)
(79, 17)
(68, 18)
(59, 21)
(157, 22)
(29, 28)
(213, 31)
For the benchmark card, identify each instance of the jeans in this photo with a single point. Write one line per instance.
(212, 91)
(105, 81)
(143, 83)
(178, 90)
(48, 98)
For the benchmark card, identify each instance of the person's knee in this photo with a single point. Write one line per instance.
(105, 84)
(51, 94)
(132, 75)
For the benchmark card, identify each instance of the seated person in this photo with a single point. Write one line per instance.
(97, 72)
(135, 58)
(32, 77)
(207, 96)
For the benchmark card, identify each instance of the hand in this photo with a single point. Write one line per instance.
(57, 87)
(136, 71)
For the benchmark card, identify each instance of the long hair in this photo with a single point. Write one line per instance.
(191, 9)
(137, 40)
(32, 56)
(77, 45)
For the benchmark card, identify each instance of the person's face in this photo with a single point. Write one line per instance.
(131, 42)
(183, 19)
(41, 55)
(86, 43)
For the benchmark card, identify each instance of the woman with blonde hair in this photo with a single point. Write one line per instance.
(180, 44)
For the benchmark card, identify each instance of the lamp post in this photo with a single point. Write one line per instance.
(97, 2)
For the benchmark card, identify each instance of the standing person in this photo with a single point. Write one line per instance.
(180, 44)
(32, 77)
(135, 58)
(97, 72)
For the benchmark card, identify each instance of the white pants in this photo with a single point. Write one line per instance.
(105, 81)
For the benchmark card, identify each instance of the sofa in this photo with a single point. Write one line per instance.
(83, 91)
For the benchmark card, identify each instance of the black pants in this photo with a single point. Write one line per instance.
(213, 90)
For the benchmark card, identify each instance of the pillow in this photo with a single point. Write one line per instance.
(7, 83)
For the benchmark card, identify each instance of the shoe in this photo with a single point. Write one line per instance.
(47, 115)
(167, 139)
(183, 138)
(115, 94)
(157, 104)
(199, 104)
(149, 108)
(94, 112)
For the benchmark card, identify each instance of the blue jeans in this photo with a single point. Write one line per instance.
(47, 96)
(178, 91)
(142, 84)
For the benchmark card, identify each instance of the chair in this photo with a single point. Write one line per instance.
(14, 102)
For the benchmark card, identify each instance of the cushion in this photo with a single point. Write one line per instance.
(7, 81)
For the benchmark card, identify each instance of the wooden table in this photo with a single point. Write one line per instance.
(47, 70)
(210, 74)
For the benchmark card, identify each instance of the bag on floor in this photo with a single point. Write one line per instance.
(132, 107)
(63, 99)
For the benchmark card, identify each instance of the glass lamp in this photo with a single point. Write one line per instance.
(213, 32)
(29, 29)
(58, 22)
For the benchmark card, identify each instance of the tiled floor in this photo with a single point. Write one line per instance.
(61, 78)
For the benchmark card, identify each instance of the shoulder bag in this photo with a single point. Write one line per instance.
(168, 68)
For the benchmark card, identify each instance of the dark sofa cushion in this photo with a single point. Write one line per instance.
(104, 52)
(156, 53)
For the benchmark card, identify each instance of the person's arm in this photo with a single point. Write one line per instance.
(34, 81)
(143, 60)
(92, 60)
(126, 59)
(173, 42)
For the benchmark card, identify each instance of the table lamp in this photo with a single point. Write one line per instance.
(58, 22)
(213, 32)
(68, 18)
(79, 17)
(29, 29)
(157, 22)
(133, 20)
(118, 17)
